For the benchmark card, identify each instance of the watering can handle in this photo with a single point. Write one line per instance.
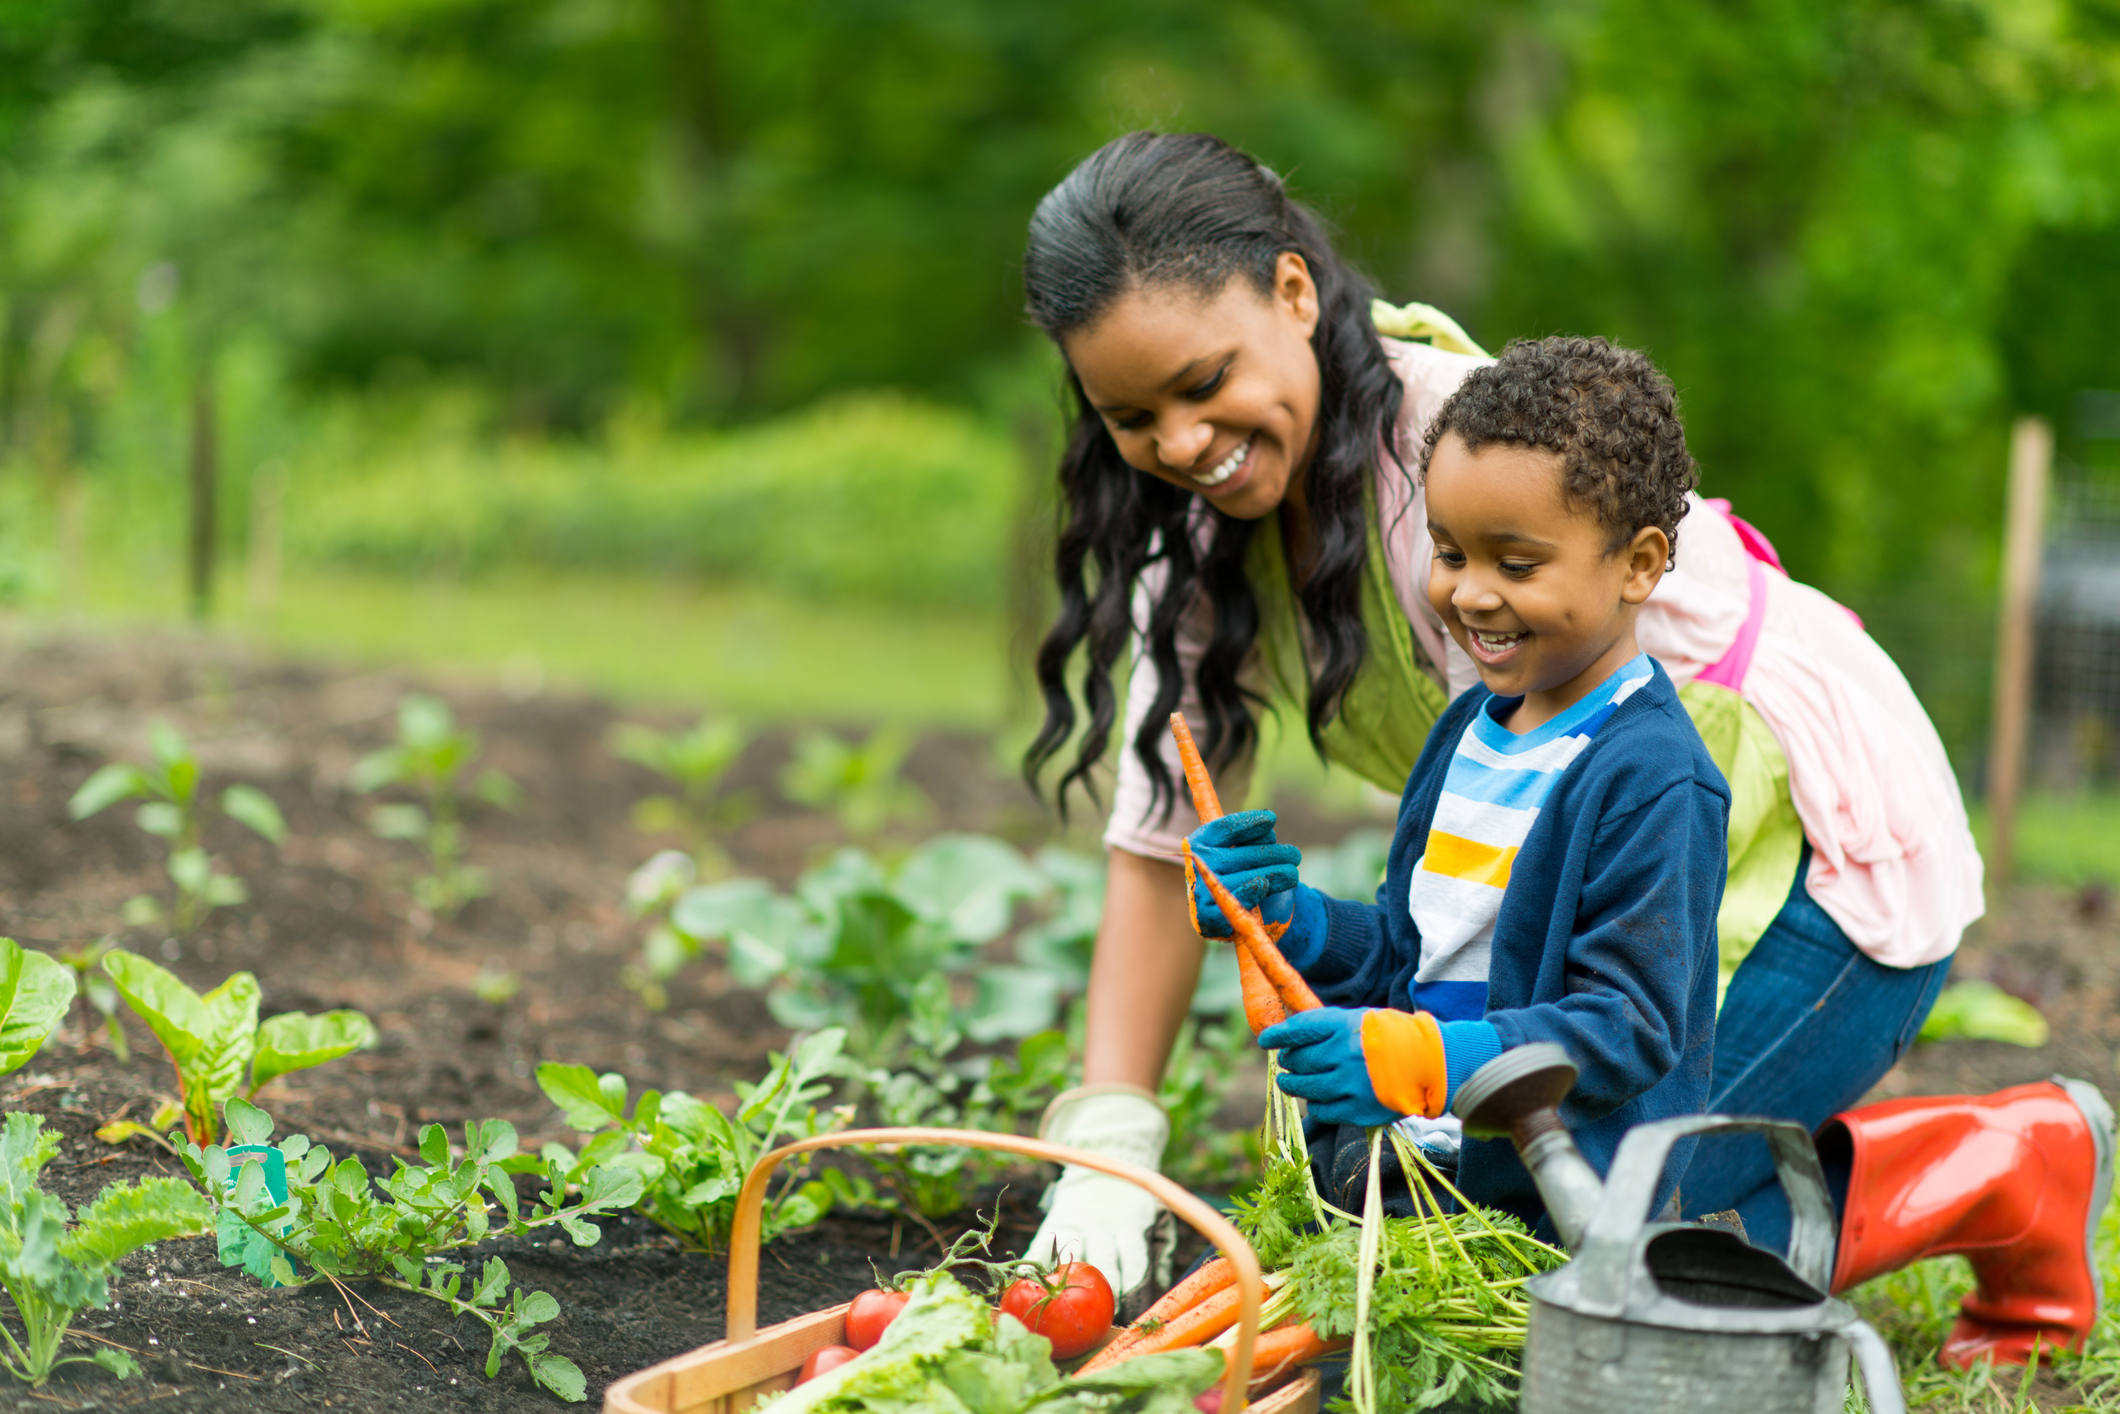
(1608, 1246)
(1880, 1373)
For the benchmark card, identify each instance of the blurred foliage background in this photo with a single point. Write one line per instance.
(675, 346)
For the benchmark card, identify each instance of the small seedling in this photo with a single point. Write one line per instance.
(860, 785)
(651, 891)
(696, 762)
(96, 993)
(693, 1159)
(431, 756)
(174, 812)
(216, 1043)
(53, 1271)
(341, 1225)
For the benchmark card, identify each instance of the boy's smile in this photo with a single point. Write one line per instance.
(1528, 583)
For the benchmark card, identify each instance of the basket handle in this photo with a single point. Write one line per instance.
(742, 1321)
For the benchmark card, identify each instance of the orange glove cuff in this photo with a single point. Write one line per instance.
(1404, 1053)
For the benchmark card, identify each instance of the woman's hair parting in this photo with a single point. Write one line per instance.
(1606, 412)
(1154, 211)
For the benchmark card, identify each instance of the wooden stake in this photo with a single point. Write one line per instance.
(2023, 535)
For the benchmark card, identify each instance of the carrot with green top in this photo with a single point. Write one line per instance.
(1287, 1346)
(1193, 1327)
(1295, 993)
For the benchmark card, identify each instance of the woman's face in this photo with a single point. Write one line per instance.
(1217, 396)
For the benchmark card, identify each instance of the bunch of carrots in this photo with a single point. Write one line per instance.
(1202, 1310)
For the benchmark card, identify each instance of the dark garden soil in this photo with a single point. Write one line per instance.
(331, 924)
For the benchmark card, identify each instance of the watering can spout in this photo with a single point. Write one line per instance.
(1517, 1096)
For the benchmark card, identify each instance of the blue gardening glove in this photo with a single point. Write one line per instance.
(1241, 851)
(1374, 1065)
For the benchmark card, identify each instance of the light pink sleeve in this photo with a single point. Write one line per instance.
(1430, 376)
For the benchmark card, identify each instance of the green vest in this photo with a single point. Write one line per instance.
(1384, 720)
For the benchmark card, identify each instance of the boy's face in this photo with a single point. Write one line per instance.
(1528, 584)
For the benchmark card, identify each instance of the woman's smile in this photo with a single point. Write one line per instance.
(1229, 466)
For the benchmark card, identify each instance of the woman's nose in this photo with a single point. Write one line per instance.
(1180, 447)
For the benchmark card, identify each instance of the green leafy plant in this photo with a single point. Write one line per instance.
(922, 1087)
(1207, 1062)
(855, 939)
(35, 993)
(96, 992)
(691, 1159)
(861, 786)
(53, 1271)
(174, 812)
(216, 1043)
(344, 1226)
(431, 756)
(1982, 1011)
(651, 891)
(694, 761)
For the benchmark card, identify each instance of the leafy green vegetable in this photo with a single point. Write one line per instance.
(691, 1159)
(215, 1039)
(431, 755)
(35, 992)
(947, 1352)
(344, 1226)
(861, 785)
(173, 812)
(695, 761)
(1981, 1011)
(52, 1271)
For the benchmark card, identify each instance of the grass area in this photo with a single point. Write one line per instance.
(754, 652)
(2069, 839)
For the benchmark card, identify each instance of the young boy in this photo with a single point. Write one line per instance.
(1559, 856)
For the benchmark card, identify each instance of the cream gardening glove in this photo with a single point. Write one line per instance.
(1093, 1217)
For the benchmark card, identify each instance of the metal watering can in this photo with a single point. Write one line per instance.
(1669, 1318)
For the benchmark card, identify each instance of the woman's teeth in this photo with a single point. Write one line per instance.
(1228, 466)
(1497, 643)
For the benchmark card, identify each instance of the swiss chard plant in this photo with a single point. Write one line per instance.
(695, 762)
(53, 1268)
(176, 811)
(215, 1041)
(336, 1223)
(431, 756)
(861, 786)
(691, 1158)
(35, 993)
(94, 989)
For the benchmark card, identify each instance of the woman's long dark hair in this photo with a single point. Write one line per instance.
(1149, 210)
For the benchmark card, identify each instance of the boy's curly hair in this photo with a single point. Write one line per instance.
(1607, 412)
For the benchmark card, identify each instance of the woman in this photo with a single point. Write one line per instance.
(1240, 515)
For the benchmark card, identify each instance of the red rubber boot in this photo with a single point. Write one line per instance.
(2016, 1181)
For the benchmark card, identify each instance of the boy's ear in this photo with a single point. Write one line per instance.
(1647, 555)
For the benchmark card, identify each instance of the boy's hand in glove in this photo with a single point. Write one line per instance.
(1243, 854)
(1372, 1065)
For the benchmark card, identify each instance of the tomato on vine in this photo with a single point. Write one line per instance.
(1072, 1308)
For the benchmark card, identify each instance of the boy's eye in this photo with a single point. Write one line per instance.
(1453, 558)
(1517, 569)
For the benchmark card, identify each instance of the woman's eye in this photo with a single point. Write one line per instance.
(1134, 423)
(1207, 389)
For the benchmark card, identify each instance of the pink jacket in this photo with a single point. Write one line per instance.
(1893, 859)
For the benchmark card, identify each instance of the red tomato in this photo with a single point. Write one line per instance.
(870, 1313)
(1073, 1310)
(829, 1358)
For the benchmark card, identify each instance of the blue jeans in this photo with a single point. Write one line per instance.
(1809, 1024)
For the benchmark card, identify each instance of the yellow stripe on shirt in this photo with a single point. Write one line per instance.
(1456, 857)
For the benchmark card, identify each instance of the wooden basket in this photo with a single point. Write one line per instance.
(748, 1364)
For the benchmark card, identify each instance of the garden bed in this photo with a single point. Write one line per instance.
(331, 923)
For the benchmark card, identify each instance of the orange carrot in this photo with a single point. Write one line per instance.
(1206, 803)
(1189, 1328)
(1262, 1004)
(1214, 1276)
(1287, 1346)
(1295, 993)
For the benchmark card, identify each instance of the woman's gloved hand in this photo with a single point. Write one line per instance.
(1364, 1065)
(1243, 854)
(1092, 1217)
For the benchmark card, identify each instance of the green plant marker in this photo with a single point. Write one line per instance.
(240, 1244)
